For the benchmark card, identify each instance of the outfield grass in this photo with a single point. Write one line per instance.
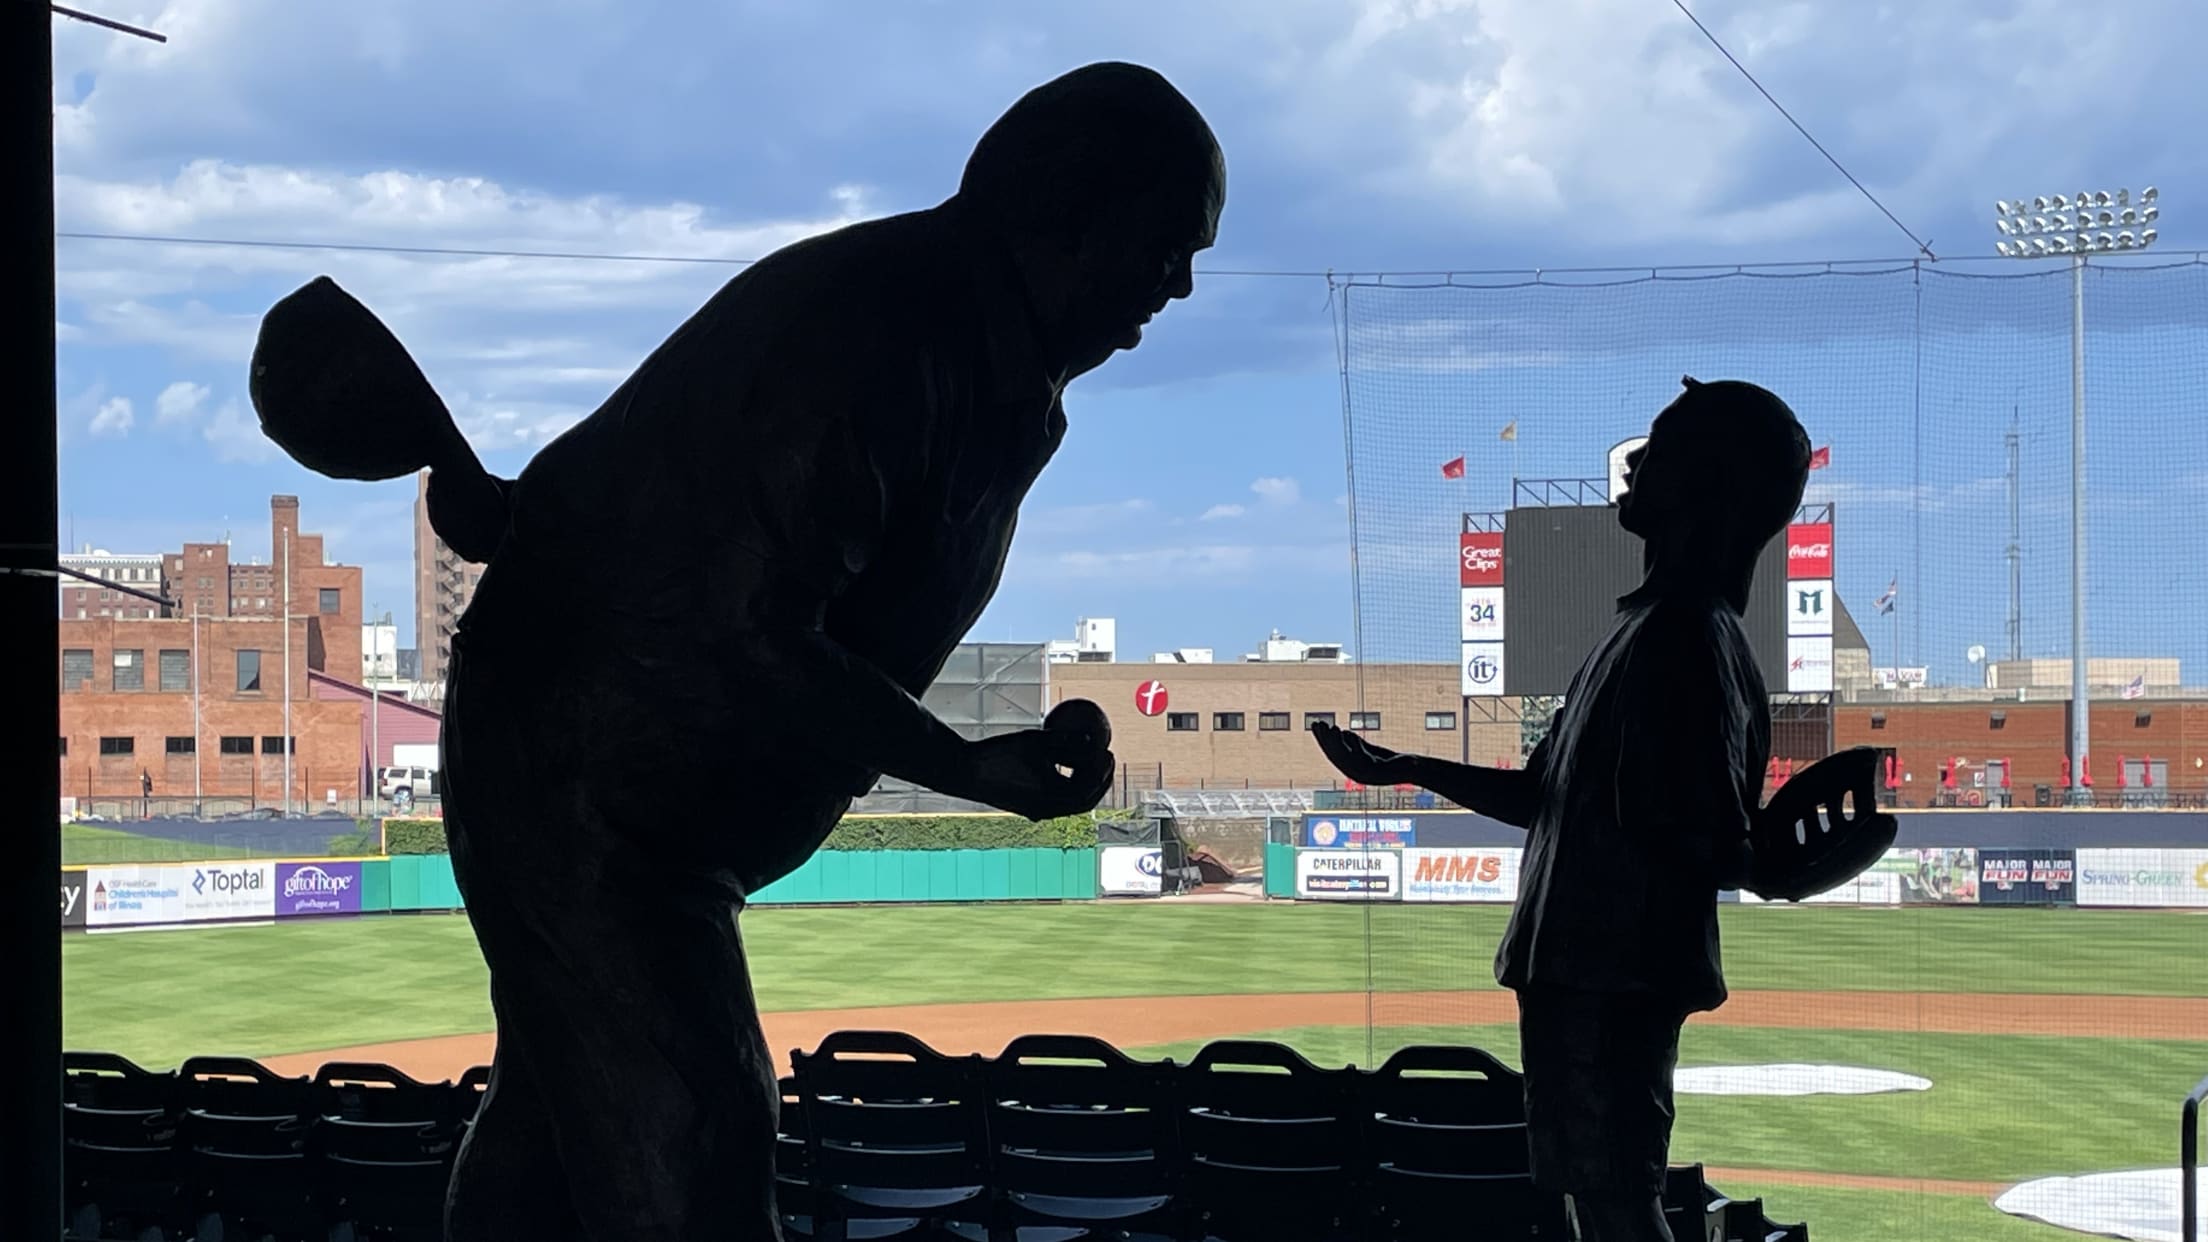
(1892, 1215)
(83, 845)
(301, 986)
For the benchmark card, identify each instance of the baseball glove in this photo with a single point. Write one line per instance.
(1806, 842)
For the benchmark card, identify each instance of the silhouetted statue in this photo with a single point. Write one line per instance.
(707, 613)
(1641, 804)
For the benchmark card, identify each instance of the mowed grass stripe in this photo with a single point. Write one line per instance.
(2001, 1107)
(301, 986)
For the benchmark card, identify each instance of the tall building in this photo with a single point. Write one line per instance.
(443, 585)
(82, 600)
(195, 699)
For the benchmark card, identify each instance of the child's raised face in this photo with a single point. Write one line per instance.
(1668, 478)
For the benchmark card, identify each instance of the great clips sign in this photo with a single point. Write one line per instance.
(1480, 558)
(1809, 550)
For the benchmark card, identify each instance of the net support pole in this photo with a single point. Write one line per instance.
(30, 946)
(2081, 704)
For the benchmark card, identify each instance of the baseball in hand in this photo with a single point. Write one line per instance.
(1085, 720)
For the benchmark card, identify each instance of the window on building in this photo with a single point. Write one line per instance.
(235, 746)
(76, 665)
(1272, 722)
(176, 671)
(1226, 722)
(249, 671)
(130, 670)
(328, 601)
(118, 746)
(1180, 722)
(273, 745)
(182, 745)
(1440, 721)
(1317, 718)
(1364, 720)
(65, 748)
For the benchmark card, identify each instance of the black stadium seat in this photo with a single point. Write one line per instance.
(883, 1139)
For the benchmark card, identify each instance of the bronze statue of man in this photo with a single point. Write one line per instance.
(1640, 805)
(709, 609)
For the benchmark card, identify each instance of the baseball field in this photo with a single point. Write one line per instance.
(2055, 1041)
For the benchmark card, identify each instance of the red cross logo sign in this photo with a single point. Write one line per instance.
(1150, 698)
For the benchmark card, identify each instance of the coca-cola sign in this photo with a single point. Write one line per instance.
(1809, 550)
(1480, 559)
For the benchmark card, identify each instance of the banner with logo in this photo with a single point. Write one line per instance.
(1130, 870)
(150, 894)
(1360, 832)
(1933, 877)
(72, 898)
(304, 888)
(1349, 875)
(1460, 875)
(1872, 888)
(2165, 879)
(2027, 877)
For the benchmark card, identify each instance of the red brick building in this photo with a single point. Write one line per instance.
(196, 700)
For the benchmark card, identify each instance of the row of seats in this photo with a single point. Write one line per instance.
(1057, 1138)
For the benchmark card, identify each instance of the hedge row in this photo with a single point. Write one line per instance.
(871, 832)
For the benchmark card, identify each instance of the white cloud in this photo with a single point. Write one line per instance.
(1277, 491)
(1217, 512)
(179, 402)
(236, 436)
(113, 418)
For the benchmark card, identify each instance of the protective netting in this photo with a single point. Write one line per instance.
(1924, 608)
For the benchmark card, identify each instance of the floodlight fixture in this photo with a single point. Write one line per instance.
(2149, 195)
(2147, 238)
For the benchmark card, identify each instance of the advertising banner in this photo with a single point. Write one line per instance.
(1349, 875)
(1809, 664)
(1130, 870)
(1872, 888)
(1483, 670)
(1933, 877)
(1460, 875)
(1809, 607)
(137, 896)
(2166, 879)
(317, 888)
(1480, 558)
(1360, 832)
(1809, 550)
(1482, 614)
(2027, 877)
(72, 899)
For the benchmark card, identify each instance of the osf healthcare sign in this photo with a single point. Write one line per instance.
(1460, 875)
(1809, 550)
(317, 888)
(146, 895)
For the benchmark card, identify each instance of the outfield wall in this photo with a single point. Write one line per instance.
(116, 896)
(2031, 875)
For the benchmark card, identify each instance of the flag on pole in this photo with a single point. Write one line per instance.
(1453, 469)
(1893, 591)
(1820, 458)
(1510, 430)
(2138, 687)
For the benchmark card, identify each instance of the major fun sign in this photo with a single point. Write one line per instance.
(1151, 698)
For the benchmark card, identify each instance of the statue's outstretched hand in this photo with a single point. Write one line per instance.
(1358, 759)
(1038, 773)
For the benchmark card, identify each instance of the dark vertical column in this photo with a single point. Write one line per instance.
(30, 772)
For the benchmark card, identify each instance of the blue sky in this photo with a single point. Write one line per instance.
(1200, 497)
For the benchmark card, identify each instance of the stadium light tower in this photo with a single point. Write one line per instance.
(2080, 226)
